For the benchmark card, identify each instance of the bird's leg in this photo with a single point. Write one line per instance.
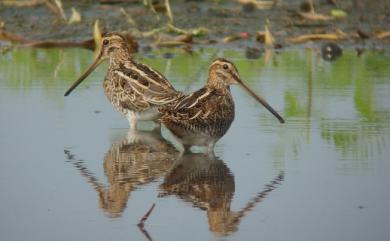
(132, 135)
(132, 118)
(186, 149)
(157, 127)
(210, 148)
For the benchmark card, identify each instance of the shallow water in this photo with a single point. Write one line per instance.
(70, 171)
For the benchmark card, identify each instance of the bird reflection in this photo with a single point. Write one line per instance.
(135, 160)
(208, 184)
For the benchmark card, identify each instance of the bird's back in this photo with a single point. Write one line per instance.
(204, 112)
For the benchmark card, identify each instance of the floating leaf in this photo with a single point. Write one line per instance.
(338, 13)
(75, 18)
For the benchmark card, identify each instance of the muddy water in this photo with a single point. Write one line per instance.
(69, 169)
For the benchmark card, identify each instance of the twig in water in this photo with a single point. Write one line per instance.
(144, 232)
(169, 11)
(141, 223)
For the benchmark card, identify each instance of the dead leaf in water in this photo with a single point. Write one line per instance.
(265, 37)
(382, 35)
(60, 9)
(164, 40)
(75, 18)
(312, 15)
(315, 16)
(97, 34)
(312, 37)
(18, 39)
(268, 38)
(230, 38)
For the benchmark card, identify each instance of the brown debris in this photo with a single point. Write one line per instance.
(314, 16)
(234, 37)
(383, 35)
(312, 37)
(17, 39)
(230, 38)
(87, 44)
(269, 39)
(57, 9)
(362, 34)
(164, 40)
(23, 3)
(260, 36)
(265, 37)
(258, 4)
(185, 38)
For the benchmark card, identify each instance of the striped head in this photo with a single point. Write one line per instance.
(114, 47)
(223, 73)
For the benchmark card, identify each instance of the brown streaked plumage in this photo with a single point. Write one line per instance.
(208, 184)
(123, 69)
(204, 116)
(131, 162)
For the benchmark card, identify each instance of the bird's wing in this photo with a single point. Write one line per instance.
(149, 83)
(127, 97)
(194, 106)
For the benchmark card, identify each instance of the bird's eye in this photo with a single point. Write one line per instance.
(105, 42)
(225, 66)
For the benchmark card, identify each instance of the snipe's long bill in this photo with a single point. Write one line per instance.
(91, 68)
(258, 98)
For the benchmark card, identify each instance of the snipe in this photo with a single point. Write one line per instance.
(119, 92)
(203, 117)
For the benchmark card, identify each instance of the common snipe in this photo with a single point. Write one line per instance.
(119, 92)
(203, 117)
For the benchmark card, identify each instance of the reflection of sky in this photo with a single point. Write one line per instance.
(334, 162)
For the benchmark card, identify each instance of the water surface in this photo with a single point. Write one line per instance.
(69, 169)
